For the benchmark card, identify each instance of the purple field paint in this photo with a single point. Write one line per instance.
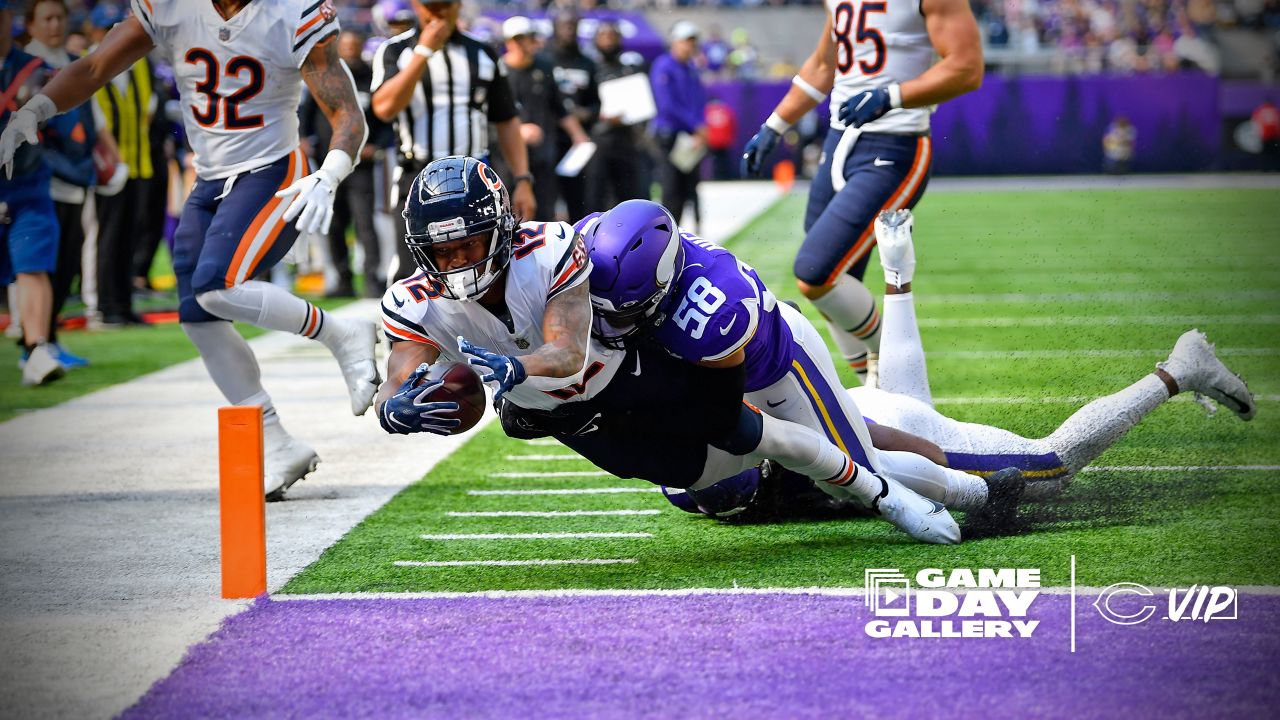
(739, 656)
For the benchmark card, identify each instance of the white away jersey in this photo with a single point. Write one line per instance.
(239, 79)
(877, 44)
(546, 260)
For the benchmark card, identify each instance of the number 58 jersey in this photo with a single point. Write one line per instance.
(239, 79)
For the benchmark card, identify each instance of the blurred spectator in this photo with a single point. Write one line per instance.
(71, 160)
(128, 104)
(542, 109)
(620, 170)
(28, 224)
(392, 17)
(153, 213)
(744, 60)
(680, 123)
(722, 136)
(1266, 123)
(575, 73)
(715, 52)
(353, 202)
(1117, 145)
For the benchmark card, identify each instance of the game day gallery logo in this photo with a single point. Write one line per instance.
(988, 602)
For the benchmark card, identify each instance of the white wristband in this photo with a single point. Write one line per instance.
(337, 164)
(42, 107)
(895, 96)
(814, 93)
(423, 51)
(777, 124)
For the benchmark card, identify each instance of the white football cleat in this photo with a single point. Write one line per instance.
(356, 354)
(42, 366)
(1196, 367)
(287, 461)
(897, 252)
(923, 519)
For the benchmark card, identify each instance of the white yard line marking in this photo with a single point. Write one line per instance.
(678, 592)
(1180, 468)
(573, 491)
(1066, 399)
(565, 474)
(1075, 354)
(1105, 320)
(542, 441)
(538, 536)
(1101, 296)
(551, 513)
(511, 563)
(557, 456)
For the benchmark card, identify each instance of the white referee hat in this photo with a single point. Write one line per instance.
(516, 26)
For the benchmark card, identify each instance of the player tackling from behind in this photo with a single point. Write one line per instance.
(876, 59)
(240, 67)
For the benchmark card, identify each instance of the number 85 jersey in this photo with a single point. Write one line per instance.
(239, 79)
(878, 43)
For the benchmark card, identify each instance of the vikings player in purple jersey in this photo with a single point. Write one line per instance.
(703, 305)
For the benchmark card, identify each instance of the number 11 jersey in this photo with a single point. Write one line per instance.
(239, 78)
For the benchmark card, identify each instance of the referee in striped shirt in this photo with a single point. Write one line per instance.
(442, 89)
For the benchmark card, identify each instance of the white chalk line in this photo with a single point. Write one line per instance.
(1093, 353)
(1051, 400)
(563, 474)
(542, 441)
(538, 536)
(858, 592)
(536, 458)
(550, 513)
(1181, 468)
(1101, 296)
(573, 491)
(1104, 320)
(512, 563)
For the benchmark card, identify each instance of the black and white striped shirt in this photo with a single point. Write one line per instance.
(463, 89)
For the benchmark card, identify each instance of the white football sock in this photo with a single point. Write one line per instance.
(852, 320)
(274, 308)
(808, 452)
(957, 490)
(1097, 426)
(232, 365)
(902, 361)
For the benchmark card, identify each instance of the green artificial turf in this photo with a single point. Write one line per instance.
(1107, 280)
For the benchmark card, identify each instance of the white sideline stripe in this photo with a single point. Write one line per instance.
(1095, 353)
(1180, 468)
(511, 563)
(542, 441)
(1118, 296)
(675, 592)
(565, 474)
(574, 491)
(1055, 320)
(557, 456)
(1029, 400)
(538, 536)
(551, 513)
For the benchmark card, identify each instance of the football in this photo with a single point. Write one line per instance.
(462, 385)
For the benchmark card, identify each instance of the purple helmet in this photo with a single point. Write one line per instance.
(636, 256)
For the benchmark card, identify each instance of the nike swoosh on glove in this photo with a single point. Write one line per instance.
(757, 150)
(866, 106)
(20, 130)
(409, 412)
(312, 202)
(504, 370)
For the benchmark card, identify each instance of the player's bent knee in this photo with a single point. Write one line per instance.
(191, 311)
(812, 291)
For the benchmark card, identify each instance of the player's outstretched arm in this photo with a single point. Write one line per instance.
(953, 31)
(404, 359)
(808, 88)
(120, 49)
(566, 325)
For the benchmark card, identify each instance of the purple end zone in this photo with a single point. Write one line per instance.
(709, 656)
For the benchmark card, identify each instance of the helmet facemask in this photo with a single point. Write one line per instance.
(472, 280)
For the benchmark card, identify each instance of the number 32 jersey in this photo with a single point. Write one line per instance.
(879, 43)
(239, 79)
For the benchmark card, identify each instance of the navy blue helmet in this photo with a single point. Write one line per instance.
(452, 199)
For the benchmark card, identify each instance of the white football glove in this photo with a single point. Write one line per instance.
(22, 129)
(313, 195)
